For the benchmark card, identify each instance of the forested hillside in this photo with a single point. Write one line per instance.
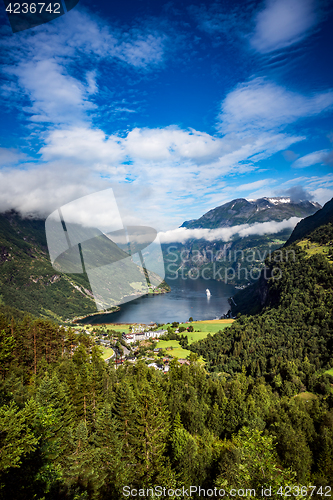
(27, 279)
(29, 282)
(74, 427)
(259, 414)
(237, 259)
(309, 224)
(292, 338)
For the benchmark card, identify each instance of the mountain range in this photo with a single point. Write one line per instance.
(233, 257)
(317, 227)
(242, 211)
(29, 282)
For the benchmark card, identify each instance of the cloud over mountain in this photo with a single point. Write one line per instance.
(181, 235)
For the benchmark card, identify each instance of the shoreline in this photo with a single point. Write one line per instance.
(212, 321)
(115, 309)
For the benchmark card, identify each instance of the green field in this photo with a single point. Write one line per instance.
(107, 352)
(306, 396)
(116, 327)
(177, 351)
(203, 328)
(312, 248)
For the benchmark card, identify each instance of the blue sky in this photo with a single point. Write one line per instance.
(179, 106)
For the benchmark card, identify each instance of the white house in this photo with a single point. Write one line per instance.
(134, 336)
(155, 334)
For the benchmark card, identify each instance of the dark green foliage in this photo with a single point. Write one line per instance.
(28, 281)
(311, 223)
(323, 235)
(73, 427)
(292, 338)
(240, 259)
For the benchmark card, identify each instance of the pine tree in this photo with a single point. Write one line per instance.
(151, 431)
(125, 409)
(112, 470)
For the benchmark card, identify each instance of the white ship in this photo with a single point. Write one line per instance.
(208, 292)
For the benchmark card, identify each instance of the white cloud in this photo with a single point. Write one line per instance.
(311, 159)
(260, 105)
(162, 144)
(56, 96)
(282, 23)
(10, 156)
(277, 25)
(322, 195)
(170, 168)
(181, 235)
(319, 187)
(142, 51)
(180, 160)
(81, 33)
(41, 190)
(252, 148)
(254, 185)
(42, 64)
(174, 168)
(83, 145)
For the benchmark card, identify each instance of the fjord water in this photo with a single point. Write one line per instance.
(187, 298)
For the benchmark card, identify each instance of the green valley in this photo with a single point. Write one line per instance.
(258, 412)
(29, 282)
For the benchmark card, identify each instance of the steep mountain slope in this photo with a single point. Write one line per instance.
(307, 225)
(238, 260)
(29, 282)
(242, 211)
(292, 335)
(311, 235)
(27, 279)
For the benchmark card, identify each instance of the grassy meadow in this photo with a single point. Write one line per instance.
(177, 351)
(201, 330)
(107, 352)
(312, 248)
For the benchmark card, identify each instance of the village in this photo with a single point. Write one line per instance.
(135, 342)
(157, 345)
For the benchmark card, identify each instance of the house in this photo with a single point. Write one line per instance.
(128, 337)
(134, 336)
(150, 334)
(154, 365)
(183, 361)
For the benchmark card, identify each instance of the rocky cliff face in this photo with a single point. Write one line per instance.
(252, 299)
(240, 259)
(309, 224)
(242, 211)
(258, 295)
(27, 279)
